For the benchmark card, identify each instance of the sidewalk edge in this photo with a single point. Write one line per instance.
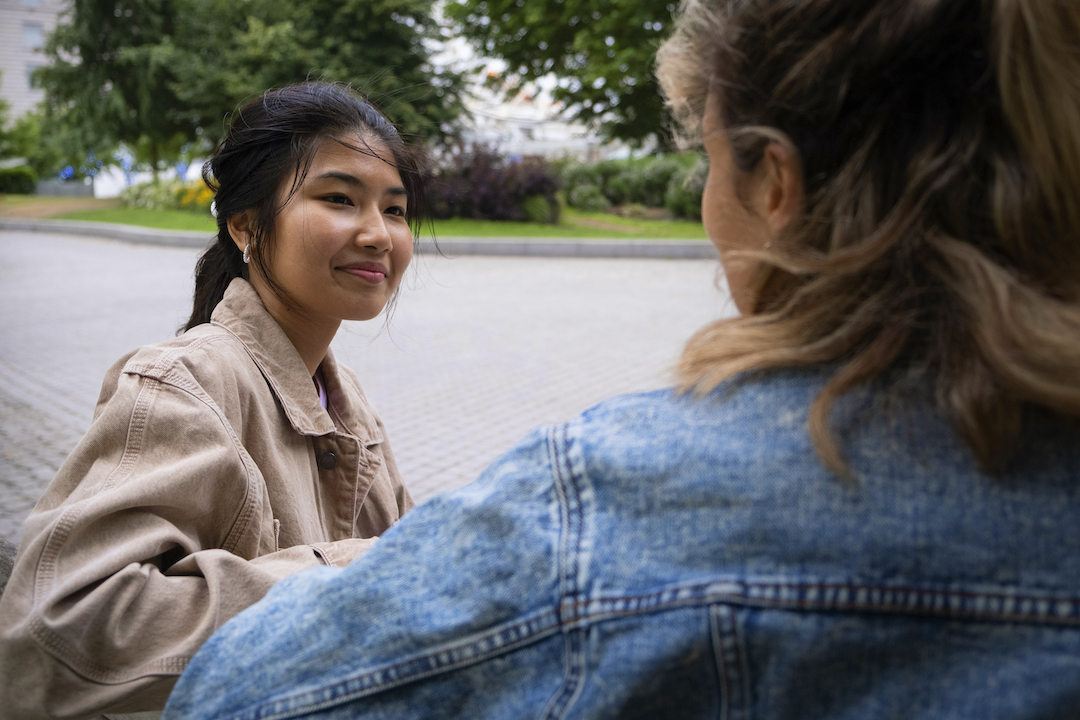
(449, 246)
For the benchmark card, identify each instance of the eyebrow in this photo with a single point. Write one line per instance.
(357, 182)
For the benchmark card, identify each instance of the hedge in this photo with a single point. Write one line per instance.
(480, 184)
(648, 181)
(20, 180)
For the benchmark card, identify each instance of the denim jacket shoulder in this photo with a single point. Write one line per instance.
(665, 556)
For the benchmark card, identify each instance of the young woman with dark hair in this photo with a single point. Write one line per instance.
(862, 500)
(240, 452)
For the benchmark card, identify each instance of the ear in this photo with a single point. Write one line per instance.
(240, 229)
(779, 195)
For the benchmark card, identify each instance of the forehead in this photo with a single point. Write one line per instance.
(367, 159)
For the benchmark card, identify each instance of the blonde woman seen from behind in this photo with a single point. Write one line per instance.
(862, 500)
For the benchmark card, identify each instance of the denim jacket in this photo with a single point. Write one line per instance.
(664, 556)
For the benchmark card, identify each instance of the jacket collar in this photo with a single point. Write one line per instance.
(243, 314)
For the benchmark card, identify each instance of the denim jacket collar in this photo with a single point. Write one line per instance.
(242, 313)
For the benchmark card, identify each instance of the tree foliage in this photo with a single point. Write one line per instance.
(159, 75)
(43, 151)
(106, 79)
(380, 46)
(602, 53)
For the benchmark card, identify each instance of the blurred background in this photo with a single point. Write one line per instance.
(528, 109)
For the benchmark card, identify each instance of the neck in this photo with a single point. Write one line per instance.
(311, 336)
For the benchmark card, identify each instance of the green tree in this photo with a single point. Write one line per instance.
(5, 136)
(602, 53)
(225, 52)
(107, 78)
(43, 151)
(160, 75)
(24, 139)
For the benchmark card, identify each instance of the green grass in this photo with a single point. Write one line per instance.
(12, 200)
(573, 225)
(161, 219)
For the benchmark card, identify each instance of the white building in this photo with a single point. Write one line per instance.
(24, 26)
(528, 121)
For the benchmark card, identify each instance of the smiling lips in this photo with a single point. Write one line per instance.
(373, 272)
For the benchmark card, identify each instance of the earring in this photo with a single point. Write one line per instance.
(247, 253)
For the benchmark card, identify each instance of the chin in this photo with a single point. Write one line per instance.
(365, 315)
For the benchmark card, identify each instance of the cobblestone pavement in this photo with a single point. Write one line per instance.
(478, 351)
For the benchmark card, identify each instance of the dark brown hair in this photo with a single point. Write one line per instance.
(939, 142)
(271, 139)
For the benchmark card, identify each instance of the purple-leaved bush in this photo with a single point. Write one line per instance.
(480, 184)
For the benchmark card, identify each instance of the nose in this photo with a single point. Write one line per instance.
(372, 232)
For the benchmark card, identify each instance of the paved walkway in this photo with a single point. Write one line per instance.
(479, 349)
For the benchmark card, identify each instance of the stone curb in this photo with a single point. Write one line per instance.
(112, 231)
(451, 246)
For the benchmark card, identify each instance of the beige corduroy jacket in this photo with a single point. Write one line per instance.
(209, 473)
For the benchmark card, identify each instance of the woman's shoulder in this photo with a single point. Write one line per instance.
(742, 409)
(206, 346)
(891, 427)
(207, 358)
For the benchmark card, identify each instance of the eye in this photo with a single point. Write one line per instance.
(396, 210)
(337, 199)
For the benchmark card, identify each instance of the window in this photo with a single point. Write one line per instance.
(30, 81)
(33, 35)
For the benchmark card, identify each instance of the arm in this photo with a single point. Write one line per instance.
(466, 577)
(155, 532)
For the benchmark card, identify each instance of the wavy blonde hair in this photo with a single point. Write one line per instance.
(940, 147)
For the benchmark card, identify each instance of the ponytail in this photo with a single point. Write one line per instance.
(217, 267)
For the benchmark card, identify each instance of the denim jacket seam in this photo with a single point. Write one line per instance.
(569, 501)
(568, 491)
(475, 649)
(1002, 605)
(730, 658)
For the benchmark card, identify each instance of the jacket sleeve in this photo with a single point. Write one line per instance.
(151, 536)
(464, 591)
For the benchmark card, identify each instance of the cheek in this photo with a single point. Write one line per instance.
(401, 256)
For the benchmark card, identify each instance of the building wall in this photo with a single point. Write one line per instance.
(24, 27)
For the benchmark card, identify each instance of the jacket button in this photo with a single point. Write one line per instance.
(328, 461)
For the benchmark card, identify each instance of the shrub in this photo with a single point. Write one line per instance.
(643, 181)
(622, 187)
(587, 198)
(584, 185)
(539, 210)
(481, 184)
(683, 196)
(653, 180)
(192, 196)
(19, 180)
